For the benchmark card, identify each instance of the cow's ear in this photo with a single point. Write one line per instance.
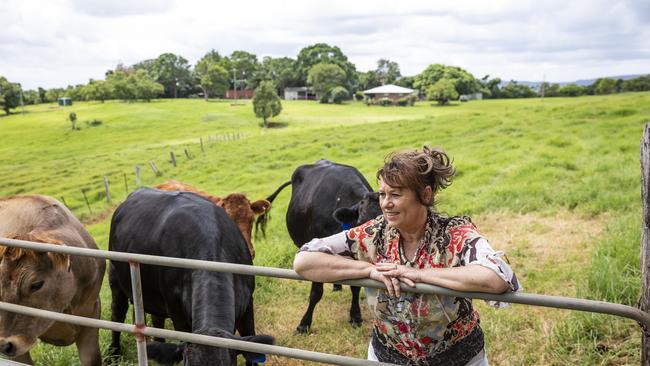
(347, 215)
(260, 206)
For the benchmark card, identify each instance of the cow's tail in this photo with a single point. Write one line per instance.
(263, 219)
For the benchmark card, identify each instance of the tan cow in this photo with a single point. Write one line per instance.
(236, 205)
(50, 281)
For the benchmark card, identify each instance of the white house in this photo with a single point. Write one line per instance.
(391, 91)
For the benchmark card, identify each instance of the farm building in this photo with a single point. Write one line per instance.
(299, 93)
(63, 101)
(390, 91)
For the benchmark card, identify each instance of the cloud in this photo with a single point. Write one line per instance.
(61, 42)
(120, 8)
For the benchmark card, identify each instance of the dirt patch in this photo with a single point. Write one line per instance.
(543, 236)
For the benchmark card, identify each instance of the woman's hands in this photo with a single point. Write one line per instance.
(392, 274)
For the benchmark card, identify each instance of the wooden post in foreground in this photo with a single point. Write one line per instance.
(644, 302)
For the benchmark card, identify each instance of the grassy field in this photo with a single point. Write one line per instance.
(553, 182)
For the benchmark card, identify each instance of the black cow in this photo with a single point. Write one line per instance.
(185, 225)
(326, 198)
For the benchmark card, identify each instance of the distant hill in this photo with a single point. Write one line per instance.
(583, 82)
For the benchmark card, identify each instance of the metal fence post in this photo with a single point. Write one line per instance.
(138, 307)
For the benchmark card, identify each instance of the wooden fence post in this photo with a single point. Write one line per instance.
(173, 158)
(137, 176)
(154, 169)
(108, 193)
(644, 302)
(187, 153)
(202, 149)
(126, 185)
(83, 191)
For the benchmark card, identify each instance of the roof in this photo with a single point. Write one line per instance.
(388, 89)
(297, 88)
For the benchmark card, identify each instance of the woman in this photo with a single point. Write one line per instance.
(412, 243)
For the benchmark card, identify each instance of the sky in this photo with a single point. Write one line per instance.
(55, 43)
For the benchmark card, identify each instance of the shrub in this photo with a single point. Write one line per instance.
(72, 117)
(94, 122)
(324, 98)
(339, 94)
(402, 102)
(359, 96)
(412, 99)
(385, 102)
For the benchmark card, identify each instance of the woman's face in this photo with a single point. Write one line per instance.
(401, 207)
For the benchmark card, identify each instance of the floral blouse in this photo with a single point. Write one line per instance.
(418, 328)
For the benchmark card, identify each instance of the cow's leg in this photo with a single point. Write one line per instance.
(88, 346)
(88, 341)
(158, 322)
(355, 311)
(24, 358)
(314, 297)
(119, 307)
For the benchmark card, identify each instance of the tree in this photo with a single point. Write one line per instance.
(322, 53)
(406, 81)
(51, 95)
(642, 83)
(324, 77)
(490, 87)
(464, 82)
(266, 102)
(10, 94)
(212, 78)
(172, 71)
(143, 86)
(31, 97)
(606, 86)
(516, 90)
(442, 91)
(281, 70)
(387, 71)
(368, 80)
(571, 90)
(244, 65)
(97, 90)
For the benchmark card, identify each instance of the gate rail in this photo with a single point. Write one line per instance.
(140, 329)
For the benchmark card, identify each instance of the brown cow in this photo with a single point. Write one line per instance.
(50, 281)
(236, 205)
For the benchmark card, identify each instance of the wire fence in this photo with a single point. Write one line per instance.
(140, 329)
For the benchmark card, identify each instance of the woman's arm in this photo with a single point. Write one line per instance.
(471, 278)
(323, 267)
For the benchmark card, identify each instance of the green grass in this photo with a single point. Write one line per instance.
(569, 156)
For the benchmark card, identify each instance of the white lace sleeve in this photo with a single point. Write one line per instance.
(480, 252)
(336, 244)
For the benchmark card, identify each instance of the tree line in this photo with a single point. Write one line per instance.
(325, 68)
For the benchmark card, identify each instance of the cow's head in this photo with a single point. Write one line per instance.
(35, 279)
(243, 212)
(366, 209)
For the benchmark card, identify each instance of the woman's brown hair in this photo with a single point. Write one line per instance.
(416, 170)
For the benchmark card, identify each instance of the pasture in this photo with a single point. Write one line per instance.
(554, 182)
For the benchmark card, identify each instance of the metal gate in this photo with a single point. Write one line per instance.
(139, 329)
